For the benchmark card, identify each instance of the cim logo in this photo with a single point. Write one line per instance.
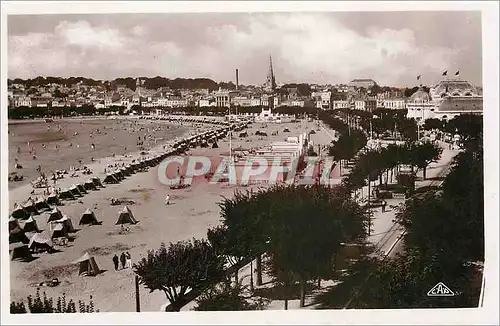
(189, 170)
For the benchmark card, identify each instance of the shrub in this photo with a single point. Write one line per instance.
(42, 304)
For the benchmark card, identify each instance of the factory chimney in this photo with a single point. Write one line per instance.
(237, 81)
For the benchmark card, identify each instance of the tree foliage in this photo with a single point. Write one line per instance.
(229, 297)
(180, 267)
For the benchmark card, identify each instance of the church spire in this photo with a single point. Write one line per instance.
(270, 84)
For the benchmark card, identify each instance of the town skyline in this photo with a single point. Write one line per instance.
(390, 47)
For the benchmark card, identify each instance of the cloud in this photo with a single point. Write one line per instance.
(305, 47)
(139, 30)
(82, 34)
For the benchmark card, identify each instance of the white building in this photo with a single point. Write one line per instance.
(447, 99)
(393, 103)
(202, 103)
(222, 98)
(365, 83)
(340, 104)
(360, 105)
(22, 101)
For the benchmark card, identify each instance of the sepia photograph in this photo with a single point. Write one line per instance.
(182, 158)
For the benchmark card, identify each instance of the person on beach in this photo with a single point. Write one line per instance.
(115, 261)
(384, 203)
(167, 199)
(123, 260)
(128, 258)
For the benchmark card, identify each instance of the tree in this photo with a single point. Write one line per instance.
(463, 196)
(423, 153)
(227, 297)
(309, 223)
(469, 127)
(403, 283)
(433, 124)
(182, 266)
(245, 227)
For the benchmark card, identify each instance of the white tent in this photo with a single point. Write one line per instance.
(66, 222)
(88, 265)
(41, 242)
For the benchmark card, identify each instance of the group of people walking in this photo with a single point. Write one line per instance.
(125, 259)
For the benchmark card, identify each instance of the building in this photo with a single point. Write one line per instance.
(340, 104)
(392, 103)
(365, 83)
(420, 105)
(323, 99)
(222, 98)
(447, 99)
(22, 101)
(360, 105)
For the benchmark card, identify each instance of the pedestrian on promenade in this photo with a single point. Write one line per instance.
(123, 259)
(115, 261)
(128, 260)
(384, 203)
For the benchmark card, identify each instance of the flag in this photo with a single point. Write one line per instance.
(457, 73)
(418, 77)
(445, 73)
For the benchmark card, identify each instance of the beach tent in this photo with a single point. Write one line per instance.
(19, 212)
(125, 216)
(41, 204)
(19, 250)
(88, 265)
(52, 199)
(81, 188)
(30, 208)
(119, 175)
(30, 225)
(13, 223)
(66, 194)
(88, 217)
(66, 222)
(125, 171)
(110, 179)
(17, 235)
(58, 231)
(41, 242)
(75, 191)
(214, 145)
(54, 215)
(89, 185)
(97, 182)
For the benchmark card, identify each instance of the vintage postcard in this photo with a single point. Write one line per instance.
(271, 162)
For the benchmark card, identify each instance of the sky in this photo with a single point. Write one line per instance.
(325, 47)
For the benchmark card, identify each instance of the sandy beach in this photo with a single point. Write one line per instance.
(56, 145)
(191, 212)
